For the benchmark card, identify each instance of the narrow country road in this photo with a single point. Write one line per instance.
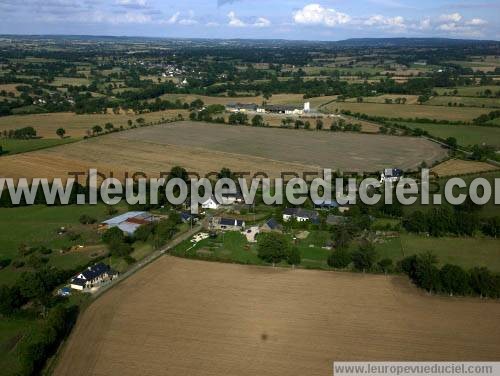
(152, 257)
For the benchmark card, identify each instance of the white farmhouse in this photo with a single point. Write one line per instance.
(91, 276)
(391, 175)
(211, 203)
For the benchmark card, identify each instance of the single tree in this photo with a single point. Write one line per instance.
(61, 132)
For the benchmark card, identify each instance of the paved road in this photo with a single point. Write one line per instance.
(149, 259)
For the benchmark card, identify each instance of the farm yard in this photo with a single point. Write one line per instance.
(203, 147)
(190, 317)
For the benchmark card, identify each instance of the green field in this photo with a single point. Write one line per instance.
(467, 91)
(466, 101)
(75, 81)
(11, 146)
(465, 252)
(39, 226)
(465, 134)
(12, 330)
(486, 211)
(233, 247)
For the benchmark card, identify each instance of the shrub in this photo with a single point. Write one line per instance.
(143, 232)
(18, 264)
(44, 250)
(112, 235)
(339, 259)
(4, 263)
(385, 265)
(87, 220)
(364, 257)
(454, 280)
(129, 259)
(273, 247)
(293, 256)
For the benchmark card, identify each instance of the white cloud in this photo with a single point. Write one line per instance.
(424, 24)
(234, 21)
(125, 18)
(262, 22)
(453, 17)
(187, 22)
(212, 24)
(172, 20)
(388, 22)
(476, 22)
(132, 3)
(315, 14)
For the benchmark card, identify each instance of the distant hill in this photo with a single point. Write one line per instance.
(410, 42)
(352, 42)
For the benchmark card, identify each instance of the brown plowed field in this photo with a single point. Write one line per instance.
(202, 148)
(181, 317)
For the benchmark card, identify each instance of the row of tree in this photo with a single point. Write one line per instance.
(25, 133)
(450, 279)
(444, 220)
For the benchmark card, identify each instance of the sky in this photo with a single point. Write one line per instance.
(255, 19)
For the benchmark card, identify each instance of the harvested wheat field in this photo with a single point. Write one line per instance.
(409, 111)
(455, 167)
(203, 148)
(77, 125)
(183, 317)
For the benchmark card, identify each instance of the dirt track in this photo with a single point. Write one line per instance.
(182, 317)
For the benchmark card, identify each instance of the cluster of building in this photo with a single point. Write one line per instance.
(269, 108)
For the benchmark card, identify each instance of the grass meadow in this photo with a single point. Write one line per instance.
(39, 226)
(465, 134)
(11, 146)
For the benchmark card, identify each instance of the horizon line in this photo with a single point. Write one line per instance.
(245, 39)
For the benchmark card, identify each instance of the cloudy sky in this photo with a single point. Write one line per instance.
(289, 19)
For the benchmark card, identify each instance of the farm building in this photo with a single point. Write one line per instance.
(226, 199)
(227, 224)
(330, 204)
(241, 107)
(300, 215)
(187, 217)
(325, 204)
(391, 175)
(287, 109)
(236, 197)
(129, 222)
(92, 275)
(272, 225)
(210, 203)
